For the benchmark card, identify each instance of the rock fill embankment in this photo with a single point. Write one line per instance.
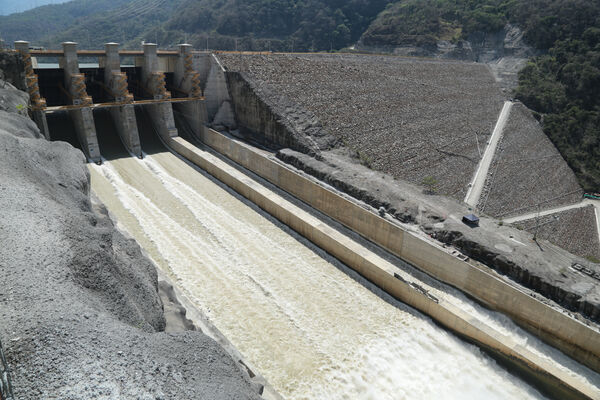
(410, 118)
(527, 171)
(413, 119)
(80, 313)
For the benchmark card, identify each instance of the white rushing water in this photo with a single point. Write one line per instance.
(311, 329)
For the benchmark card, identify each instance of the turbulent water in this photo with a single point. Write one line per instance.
(307, 326)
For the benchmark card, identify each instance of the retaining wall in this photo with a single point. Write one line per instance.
(569, 335)
(385, 275)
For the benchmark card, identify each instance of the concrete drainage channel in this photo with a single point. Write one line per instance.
(6, 392)
(546, 376)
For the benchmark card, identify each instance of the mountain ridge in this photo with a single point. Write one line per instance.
(559, 83)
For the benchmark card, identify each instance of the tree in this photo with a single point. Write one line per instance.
(430, 183)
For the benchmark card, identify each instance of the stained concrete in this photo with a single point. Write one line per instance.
(83, 118)
(124, 115)
(216, 91)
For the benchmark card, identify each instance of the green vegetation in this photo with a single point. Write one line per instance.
(301, 25)
(430, 183)
(43, 22)
(284, 25)
(561, 85)
(424, 22)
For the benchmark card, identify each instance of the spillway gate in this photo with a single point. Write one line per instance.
(153, 79)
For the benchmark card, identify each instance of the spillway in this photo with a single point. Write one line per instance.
(312, 327)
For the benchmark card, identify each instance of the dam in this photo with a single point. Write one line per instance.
(309, 323)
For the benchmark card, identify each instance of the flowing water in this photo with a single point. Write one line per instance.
(310, 329)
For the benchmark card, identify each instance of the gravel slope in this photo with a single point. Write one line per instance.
(80, 313)
(574, 230)
(410, 118)
(527, 170)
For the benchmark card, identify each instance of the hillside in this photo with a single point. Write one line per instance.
(258, 24)
(11, 6)
(560, 85)
(40, 24)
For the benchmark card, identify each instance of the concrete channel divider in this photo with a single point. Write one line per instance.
(571, 336)
(386, 275)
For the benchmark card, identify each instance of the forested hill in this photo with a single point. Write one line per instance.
(13, 6)
(40, 24)
(562, 85)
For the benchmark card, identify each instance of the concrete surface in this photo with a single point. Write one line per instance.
(571, 336)
(476, 186)
(124, 115)
(374, 268)
(83, 118)
(216, 91)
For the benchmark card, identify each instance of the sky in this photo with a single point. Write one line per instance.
(12, 6)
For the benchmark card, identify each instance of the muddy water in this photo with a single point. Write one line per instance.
(310, 329)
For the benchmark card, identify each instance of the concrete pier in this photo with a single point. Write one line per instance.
(83, 118)
(123, 115)
(187, 82)
(161, 114)
(37, 102)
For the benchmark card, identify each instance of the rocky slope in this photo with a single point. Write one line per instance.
(574, 230)
(505, 51)
(409, 118)
(80, 312)
(527, 171)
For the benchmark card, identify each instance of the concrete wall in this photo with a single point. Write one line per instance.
(215, 91)
(202, 65)
(194, 113)
(260, 121)
(126, 124)
(161, 115)
(571, 336)
(83, 119)
(548, 377)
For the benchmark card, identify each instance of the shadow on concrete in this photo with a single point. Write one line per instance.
(62, 129)
(109, 141)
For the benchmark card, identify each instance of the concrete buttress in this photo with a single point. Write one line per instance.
(83, 118)
(218, 101)
(37, 102)
(188, 84)
(123, 115)
(161, 114)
